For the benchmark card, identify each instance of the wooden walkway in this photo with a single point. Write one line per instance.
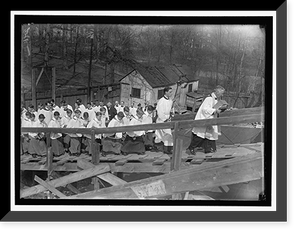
(152, 162)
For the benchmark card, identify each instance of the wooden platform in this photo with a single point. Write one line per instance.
(151, 162)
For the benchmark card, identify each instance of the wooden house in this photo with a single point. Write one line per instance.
(146, 83)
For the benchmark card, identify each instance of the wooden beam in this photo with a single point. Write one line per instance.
(49, 187)
(69, 186)
(227, 172)
(178, 154)
(227, 113)
(108, 177)
(40, 75)
(96, 170)
(167, 125)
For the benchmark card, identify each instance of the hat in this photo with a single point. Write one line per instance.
(120, 114)
(139, 111)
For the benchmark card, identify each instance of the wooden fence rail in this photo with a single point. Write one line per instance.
(226, 118)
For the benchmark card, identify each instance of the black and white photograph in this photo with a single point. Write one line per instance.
(151, 111)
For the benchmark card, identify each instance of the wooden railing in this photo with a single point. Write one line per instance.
(182, 122)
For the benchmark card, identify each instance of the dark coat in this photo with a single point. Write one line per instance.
(112, 112)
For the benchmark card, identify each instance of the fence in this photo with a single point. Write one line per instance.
(179, 123)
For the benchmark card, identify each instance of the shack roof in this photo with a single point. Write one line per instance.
(161, 76)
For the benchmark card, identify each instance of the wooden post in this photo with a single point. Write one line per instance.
(23, 95)
(175, 135)
(94, 158)
(178, 153)
(33, 88)
(177, 163)
(53, 83)
(49, 155)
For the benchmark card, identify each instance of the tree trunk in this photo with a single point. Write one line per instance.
(75, 52)
(90, 72)
(64, 46)
(46, 57)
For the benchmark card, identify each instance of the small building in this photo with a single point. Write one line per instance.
(146, 83)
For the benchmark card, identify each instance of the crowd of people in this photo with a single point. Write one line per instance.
(97, 115)
(92, 115)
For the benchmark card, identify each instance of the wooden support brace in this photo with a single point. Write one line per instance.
(108, 177)
(121, 162)
(198, 161)
(69, 186)
(96, 170)
(49, 187)
(159, 162)
(201, 177)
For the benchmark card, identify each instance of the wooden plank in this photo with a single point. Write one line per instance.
(112, 179)
(69, 186)
(227, 172)
(167, 125)
(159, 162)
(96, 170)
(39, 77)
(37, 167)
(48, 186)
(49, 161)
(227, 113)
(221, 121)
(177, 156)
(108, 177)
(121, 162)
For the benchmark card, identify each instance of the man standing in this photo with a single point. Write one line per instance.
(164, 107)
(206, 136)
(112, 112)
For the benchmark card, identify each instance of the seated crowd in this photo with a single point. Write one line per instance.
(93, 115)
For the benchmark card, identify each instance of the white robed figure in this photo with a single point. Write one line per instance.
(206, 136)
(164, 108)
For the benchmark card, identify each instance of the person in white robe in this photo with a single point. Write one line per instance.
(122, 106)
(112, 142)
(149, 134)
(32, 111)
(37, 145)
(103, 116)
(133, 109)
(56, 138)
(90, 111)
(25, 122)
(64, 123)
(164, 108)
(127, 116)
(95, 123)
(206, 136)
(117, 106)
(134, 141)
(46, 111)
(85, 120)
(101, 105)
(75, 138)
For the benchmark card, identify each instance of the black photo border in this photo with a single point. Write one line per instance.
(196, 216)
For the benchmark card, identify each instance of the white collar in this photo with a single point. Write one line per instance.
(213, 95)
